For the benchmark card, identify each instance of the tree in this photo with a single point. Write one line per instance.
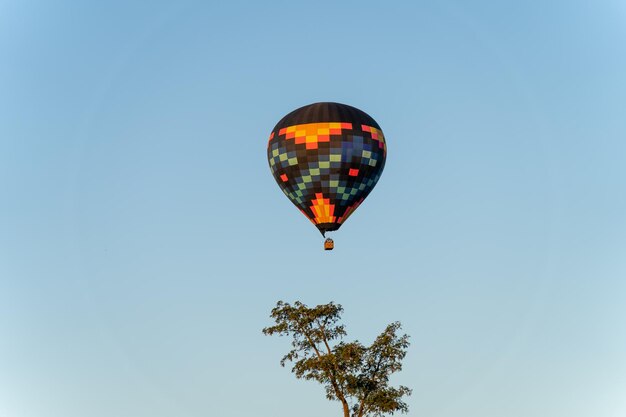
(355, 375)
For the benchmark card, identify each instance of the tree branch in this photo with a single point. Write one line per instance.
(331, 376)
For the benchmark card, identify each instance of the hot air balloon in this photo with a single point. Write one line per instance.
(327, 158)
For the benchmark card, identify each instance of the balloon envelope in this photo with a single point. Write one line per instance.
(327, 157)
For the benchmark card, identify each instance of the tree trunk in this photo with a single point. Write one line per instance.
(346, 409)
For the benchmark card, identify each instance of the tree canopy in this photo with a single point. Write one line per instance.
(353, 374)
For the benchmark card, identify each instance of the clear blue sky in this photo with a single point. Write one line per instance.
(143, 240)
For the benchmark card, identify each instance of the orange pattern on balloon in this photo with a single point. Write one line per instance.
(322, 209)
(311, 134)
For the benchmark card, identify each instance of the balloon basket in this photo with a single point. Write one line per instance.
(329, 244)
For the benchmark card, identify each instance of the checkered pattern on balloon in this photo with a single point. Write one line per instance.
(327, 169)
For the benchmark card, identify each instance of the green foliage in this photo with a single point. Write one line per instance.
(351, 373)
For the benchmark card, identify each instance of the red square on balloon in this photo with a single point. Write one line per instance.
(283, 177)
(353, 172)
